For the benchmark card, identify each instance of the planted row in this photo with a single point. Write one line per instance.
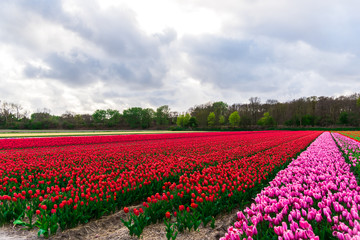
(200, 196)
(315, 197)
(82, 140)
(351, 150)
(62, 186)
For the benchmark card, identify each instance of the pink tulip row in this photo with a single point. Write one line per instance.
(350, 147)
(315, 197)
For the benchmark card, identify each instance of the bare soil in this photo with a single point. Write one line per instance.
(111, 228)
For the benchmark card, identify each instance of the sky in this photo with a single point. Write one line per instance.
(84, 55)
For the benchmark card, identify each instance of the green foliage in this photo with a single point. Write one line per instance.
(136, 224)
(109, 117)
(112, 117)
(137, 117)
(344, 118)
(220, 109)
(147, 116)
(99, 116)
(180, 121)
(308, 120)
(43, 120)
(266, 120)
(68, 125)
(312, 111)
(186, 121)
(193, 122)
(133, 117)
(221, 120)
(234, 119)
(162, 115)
(171, 232)
(211, 119)
(245, 121)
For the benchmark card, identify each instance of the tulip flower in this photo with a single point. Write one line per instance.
(319, 175)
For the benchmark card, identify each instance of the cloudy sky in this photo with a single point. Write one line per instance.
(84, 55)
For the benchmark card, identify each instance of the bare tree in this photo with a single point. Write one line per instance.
(255, 106)
(17, 110)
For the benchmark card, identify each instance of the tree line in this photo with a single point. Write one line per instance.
(303, 112)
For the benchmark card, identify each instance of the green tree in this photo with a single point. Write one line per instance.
(183, 120)
(344, 118)
(221, 120)
(220, 109)
(133, 116)
(180, 120)
(99, 116)
(162, 115)
(44, 120)
(112, 117)
(147, 116)
(266, 120)
(308, 120)
(186, 120)
(211, 119)
(193, 122)
(234, 119)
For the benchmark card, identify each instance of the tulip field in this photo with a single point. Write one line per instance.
(315, 197)
(287, 184)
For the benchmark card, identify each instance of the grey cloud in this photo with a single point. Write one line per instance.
(48, 9)
(273, 49)
(262, 64)
(329, 25)
(222, 48)
(228, 63)
(73, 70)
(79, 69)
(130, 57)
(115, 31)
(167, 36)
(154, 98)
(17, 16)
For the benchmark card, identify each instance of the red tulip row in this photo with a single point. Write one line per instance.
(206, 193)
(62, 186)
(82, 140)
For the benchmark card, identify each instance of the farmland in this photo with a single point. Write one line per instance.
(183, 181)
(62, 133)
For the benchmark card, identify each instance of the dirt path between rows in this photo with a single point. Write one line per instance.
(111, 228)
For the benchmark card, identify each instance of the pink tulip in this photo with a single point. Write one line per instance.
(288, 235)
(318, 217)
(304, 224)
(320, 174)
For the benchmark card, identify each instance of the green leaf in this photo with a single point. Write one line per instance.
(53, 228)
(19, 222)
(42, 232)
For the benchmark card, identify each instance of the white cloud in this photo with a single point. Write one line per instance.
(84, 55)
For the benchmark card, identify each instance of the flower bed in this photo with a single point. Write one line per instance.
(199, 196)
(351, 150)
(51, 187)
(315, 197)
(83, 140)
